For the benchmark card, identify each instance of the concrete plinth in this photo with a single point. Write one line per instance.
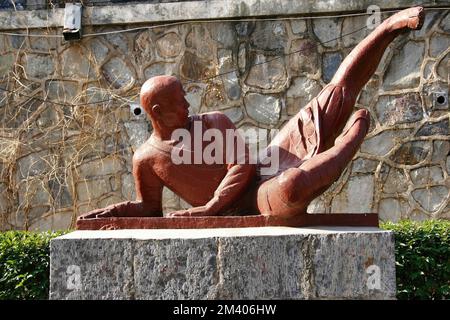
(224, 263)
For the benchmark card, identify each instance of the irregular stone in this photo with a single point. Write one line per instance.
(100, 167)
(184, 204)
(114, 183)
(267, 74)
(230, 79)
(434, 128)
(117, 73)
(391, 209)
(428, 70)
(75, 65)
(18, 42)
(38, 66)
(144, 46)
(234, 114)
(118, 41)
(33, 192)
(237, 263)
(224, 34)
(369, 92)
(349, 25)
(160, 68)
(263, 108)
(362, 165)
(95, 93)
(403, 71)
(43, 44)
(196, 68)
(242, 57)
(440, 150)
(442, 68)
(427, 175)
(109, 201)
(269, 35)
(326, 31)
(138, 132)
(405, 108)
(62, 220)
(4, 202)
(215, 97)
(330, 64)
(99, 50)
(430, 198)
(317, 206)
(33, 164)
(60, 192)
(356, 196)
(301, 91)
(232, 86)
(383, 142)
(194, 97)
(79, 269)
(430, 19)
(41, 223)
(169, 45)
(4, 46)
(304, 56)
(199, 41)
(244, 29)
(411, 153)
(170, 201)
(89, 190)
(418, 215)
(7, 61)
(445, 23)
(395, 182)
(298, 26)
(253, 137)
(60, 90)
(438, 44)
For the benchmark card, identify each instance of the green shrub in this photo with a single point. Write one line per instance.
(24, 264)
(422, 255)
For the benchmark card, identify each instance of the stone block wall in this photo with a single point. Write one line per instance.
(62, 158)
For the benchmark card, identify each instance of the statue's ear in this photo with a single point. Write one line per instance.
(156, 110)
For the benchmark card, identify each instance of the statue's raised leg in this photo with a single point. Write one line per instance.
(324, 154)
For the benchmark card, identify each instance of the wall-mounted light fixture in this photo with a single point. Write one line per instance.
(72, 22)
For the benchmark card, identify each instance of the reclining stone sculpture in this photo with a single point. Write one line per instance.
(311, 150)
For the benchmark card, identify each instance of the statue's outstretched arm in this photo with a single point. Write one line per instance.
(148, 201)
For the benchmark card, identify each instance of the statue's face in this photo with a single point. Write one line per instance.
(176, 111)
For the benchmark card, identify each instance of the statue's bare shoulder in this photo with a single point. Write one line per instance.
(218, 120)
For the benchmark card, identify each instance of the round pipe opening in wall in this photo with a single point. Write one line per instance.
(136, 109)
(441, 99)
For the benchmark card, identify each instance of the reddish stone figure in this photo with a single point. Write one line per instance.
(313, 147)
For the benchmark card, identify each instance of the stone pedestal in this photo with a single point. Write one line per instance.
(224, 263)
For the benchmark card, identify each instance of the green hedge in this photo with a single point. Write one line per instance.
(422, 254)
(24, 264)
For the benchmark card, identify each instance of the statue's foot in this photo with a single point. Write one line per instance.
(411, 18)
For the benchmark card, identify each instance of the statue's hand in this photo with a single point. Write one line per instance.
(107, 212)
(201, 211)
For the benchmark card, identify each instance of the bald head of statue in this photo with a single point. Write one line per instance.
(163, 98)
